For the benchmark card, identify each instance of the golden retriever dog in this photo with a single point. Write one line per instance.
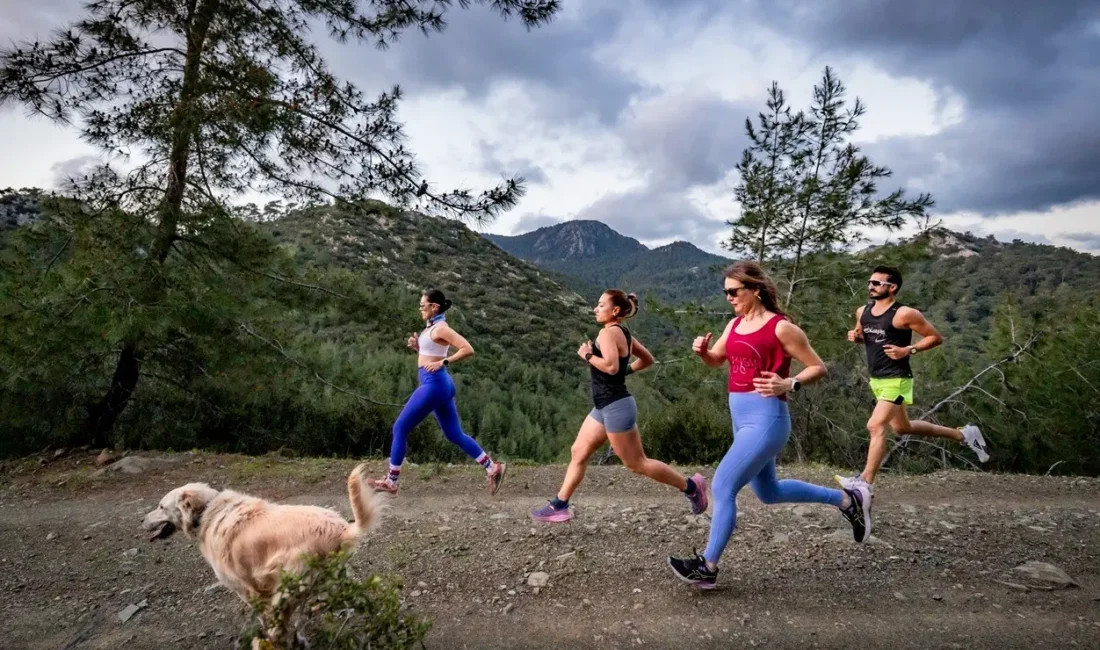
(247, 540)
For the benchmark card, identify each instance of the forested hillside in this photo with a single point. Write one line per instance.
(309, 354)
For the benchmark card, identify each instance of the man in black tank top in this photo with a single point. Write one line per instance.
(879, 332)
(885, 327)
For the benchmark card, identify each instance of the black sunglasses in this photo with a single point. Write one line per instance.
(733, 292)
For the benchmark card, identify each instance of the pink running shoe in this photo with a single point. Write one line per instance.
(496, 477)
(699, 497)
(549, 513)
(382, 485)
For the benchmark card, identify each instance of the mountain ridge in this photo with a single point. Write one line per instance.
(597, 257)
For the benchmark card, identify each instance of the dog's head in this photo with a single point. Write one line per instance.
(180, 509)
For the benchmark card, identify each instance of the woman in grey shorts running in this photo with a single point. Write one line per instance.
(615, 414)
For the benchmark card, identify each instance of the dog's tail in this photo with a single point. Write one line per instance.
(364, 504)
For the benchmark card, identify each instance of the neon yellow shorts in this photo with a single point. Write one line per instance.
(896, 390)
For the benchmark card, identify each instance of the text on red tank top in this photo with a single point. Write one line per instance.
(751, 354)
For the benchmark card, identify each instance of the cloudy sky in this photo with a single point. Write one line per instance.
(632, 111)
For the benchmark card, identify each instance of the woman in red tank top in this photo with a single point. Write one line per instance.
(752, 355)
(758, 345)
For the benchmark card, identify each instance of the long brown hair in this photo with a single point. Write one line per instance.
(754, 278)
(626, 302)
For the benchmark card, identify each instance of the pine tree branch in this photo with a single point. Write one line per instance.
(1012, 357)
(266, 274)
(56, 256)
(37, 79)
(281, 350)
(514, 186)
(904, 440)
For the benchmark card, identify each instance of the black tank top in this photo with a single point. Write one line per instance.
(609, 388)
(879, 331)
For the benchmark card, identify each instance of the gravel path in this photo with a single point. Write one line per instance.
(934, 576)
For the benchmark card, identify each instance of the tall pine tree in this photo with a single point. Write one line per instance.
(806, 189)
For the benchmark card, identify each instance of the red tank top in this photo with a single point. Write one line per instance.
(749, 354)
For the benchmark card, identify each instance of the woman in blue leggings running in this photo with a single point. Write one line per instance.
(436, 394)
(758, 345)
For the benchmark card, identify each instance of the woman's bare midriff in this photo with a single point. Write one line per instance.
(422, 359)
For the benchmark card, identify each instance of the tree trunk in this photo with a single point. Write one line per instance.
(104, 414)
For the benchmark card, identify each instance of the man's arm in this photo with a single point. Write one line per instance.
(856, 335)
(914, 320)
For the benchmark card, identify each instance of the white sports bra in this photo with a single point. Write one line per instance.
(430, 348)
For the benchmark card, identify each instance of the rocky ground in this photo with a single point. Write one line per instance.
(940, 571)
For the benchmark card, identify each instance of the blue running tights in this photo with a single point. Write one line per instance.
(761, 426)
(435, 395)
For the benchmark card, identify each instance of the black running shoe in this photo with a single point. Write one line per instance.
(694, 571)
(857, 514)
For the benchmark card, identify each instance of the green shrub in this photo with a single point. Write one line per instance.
(324, 607)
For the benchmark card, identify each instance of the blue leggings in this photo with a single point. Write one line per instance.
(436, 395)
(761, 426)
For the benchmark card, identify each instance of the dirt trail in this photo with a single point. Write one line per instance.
(791, 578)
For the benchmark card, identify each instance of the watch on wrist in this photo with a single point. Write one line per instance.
(587, 356)
(446, 362)
(913, 350)
(795, 385)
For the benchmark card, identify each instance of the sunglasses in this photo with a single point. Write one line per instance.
(879, 283)
(733, 292)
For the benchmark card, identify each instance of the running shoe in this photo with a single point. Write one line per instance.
(972, 436)
(853, 482)
(496, 477)
(858, 513)
(550, 514)
(694, 571)
(699, 497)
(382, 485)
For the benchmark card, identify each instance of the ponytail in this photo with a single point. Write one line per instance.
(626, 302)
(436, 296)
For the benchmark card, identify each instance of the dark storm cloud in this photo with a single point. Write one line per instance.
(1028, 73)
(1002, 163)
(654, 215)
(685, 140)
(992, 51)
(479, 48)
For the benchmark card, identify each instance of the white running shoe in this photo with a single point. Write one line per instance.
(972, 436)
(854, 483)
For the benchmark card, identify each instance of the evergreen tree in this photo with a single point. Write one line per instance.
(806, 189)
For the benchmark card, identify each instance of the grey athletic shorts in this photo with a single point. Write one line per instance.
(619, 416)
